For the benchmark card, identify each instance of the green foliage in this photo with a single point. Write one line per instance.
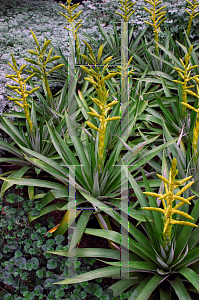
(22, 272)
(56, 142)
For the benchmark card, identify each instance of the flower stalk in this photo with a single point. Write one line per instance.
(21, 90)
(167, 200)
(193, 6)
(70, 19)
(157, 18)
(185, 74)
(98, 79)
(126, 8)
(196, 127)
(41, 63)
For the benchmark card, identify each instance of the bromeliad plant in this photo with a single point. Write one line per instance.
(160, 258)
(164, 262)
(83, 165)
(34, 133)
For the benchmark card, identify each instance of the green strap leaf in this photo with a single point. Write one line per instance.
(136, 265)
(45, 211)
(148, 288)
(102, 272)
(7, 184)
(80, 227)
(36, 182)
(191, 276)
(122, 285)
(78, 146)
(180, 289)
(141, 238)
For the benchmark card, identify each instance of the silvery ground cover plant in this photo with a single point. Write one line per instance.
(117, 142)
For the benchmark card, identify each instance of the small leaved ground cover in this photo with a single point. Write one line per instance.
(26, 270)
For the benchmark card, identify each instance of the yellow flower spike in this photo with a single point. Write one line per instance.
(87, 70)
(106, 61)
(41, 64)
(156, 16)
(111, 75)
(168, 199)
(71, 18)
(90, 50)
(195, 139)
(182, 63)
(165, 195)
(127, 9)
(96, 102)
(102, 96)
(192, 93)
(14, 69)
(196, 127)
(107, 110)
(152, 194)
(193, 7)
(190, 198)
(99, 55)
(35, 39)
(21, 90)
(91, 80)
(185, 73)
(94, 115)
